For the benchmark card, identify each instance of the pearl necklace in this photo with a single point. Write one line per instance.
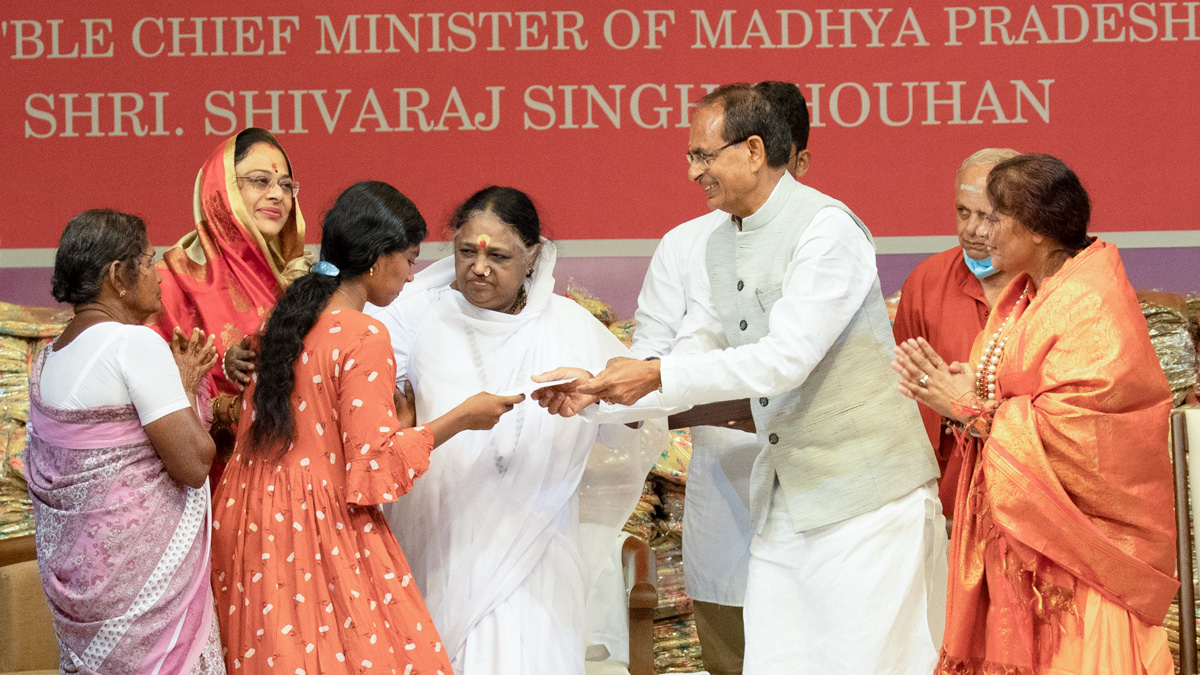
(985, 373)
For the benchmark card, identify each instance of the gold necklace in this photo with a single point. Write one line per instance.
(985, 372)
(347, 296)
(519, 303)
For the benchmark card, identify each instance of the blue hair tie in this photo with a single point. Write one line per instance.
(327, 268)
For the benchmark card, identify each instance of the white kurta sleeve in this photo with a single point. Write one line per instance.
(662, 303)
(825, 284)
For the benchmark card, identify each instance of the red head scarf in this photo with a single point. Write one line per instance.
(225, 276)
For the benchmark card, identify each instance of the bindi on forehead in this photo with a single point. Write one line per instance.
(483, 241)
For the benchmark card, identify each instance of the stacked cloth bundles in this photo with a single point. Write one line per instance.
(1192, 310)
(676, 645)
(641, 523)
(603, 312)
(23, 333)
(1174, 341)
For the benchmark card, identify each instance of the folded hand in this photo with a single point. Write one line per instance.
(194, 355)
(926, 378)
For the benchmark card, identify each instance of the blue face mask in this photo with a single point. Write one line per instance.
(982, 269)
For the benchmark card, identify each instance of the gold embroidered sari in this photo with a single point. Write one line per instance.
(1070, 497)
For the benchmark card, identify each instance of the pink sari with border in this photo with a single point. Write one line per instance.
(123, 549)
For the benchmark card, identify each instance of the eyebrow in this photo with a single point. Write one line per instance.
(493, 245)
(268, 171)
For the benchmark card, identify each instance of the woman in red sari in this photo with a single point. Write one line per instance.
(247, 247)
(1062, 555)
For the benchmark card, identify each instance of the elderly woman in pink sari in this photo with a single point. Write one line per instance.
(117, 466)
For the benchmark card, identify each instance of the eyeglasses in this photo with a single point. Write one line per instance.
(705, 159)
(145, 262)
(262, 184)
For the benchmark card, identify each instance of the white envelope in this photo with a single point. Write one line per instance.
(534, 386)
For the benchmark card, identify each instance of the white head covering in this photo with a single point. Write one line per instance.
(499, 508)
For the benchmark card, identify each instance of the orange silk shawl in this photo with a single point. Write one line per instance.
(224, 276)
(1074, 484)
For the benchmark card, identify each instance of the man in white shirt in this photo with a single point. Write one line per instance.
(716, 519)
(847, 568)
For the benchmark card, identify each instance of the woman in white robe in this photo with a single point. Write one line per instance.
(492, 530)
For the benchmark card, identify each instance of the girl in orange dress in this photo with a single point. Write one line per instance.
(307, 576)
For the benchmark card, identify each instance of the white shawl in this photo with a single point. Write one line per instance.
(496, 504)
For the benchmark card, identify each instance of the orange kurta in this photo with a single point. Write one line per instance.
(1064, 540)
(307, 576)
(944, 303)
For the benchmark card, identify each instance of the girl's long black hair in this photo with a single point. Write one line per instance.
(369, 219)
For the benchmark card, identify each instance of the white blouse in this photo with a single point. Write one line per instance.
(113, 363)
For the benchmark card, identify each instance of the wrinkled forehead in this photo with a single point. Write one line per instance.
(485, 230)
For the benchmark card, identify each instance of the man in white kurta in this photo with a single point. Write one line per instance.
(717, 530)
(847, 566)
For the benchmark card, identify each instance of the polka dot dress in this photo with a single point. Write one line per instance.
(308, 578)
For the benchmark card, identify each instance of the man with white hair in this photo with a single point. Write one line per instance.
(947, 298)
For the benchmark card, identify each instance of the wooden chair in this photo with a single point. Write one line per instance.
(17, 549)
(637, 558)
(638, 574)
(26, 629)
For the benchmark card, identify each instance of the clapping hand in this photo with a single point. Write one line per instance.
(194, 355)
(926, 378)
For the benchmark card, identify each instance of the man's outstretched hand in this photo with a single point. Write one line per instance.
(624, 381)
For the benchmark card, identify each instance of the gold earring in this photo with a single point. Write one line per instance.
(122, 294)
(371, 272)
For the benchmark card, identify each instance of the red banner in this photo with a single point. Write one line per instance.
(585, 105)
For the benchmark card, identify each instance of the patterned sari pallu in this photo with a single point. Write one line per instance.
(123, 549)
(1063, 550)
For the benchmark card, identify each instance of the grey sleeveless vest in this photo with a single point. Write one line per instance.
(844, 442)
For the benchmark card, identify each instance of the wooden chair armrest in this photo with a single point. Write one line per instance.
(17, 549)
(729, 414)
(643, 599)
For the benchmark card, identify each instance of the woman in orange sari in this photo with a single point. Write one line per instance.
(247, 247)
(1062, 555)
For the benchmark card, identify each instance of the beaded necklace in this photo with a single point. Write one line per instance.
(985, 373)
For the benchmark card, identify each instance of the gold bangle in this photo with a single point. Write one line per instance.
(234, 411)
